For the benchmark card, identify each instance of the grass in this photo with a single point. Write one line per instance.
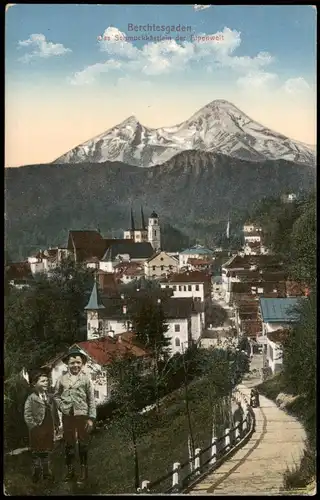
(303, 473)
(111, 465)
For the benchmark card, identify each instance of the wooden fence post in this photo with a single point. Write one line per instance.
(191, 457)
(197, 461)
(175, 476)
(145, 486)
(227, 439)
(213, 451)
(237, 432)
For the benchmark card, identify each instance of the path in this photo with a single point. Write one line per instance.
(258, 467)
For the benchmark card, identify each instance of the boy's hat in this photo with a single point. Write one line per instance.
(75, 351)
(34, 375)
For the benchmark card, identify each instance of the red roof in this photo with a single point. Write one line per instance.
(200, 262)
(295, 289)
(107, 281)
(189, 277)
(18, 271)
(251, 327)
(90, 244)
(278, 336)
(104, 350)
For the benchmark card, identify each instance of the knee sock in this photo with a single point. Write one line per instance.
(45, 459)
(36, 460)
(69, 454)
(83, 454)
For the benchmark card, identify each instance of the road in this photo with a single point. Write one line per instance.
(259, 466)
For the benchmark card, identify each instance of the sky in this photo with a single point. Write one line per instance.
(74, 71)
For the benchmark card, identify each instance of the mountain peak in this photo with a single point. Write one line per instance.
(218, 127)
(130, 120)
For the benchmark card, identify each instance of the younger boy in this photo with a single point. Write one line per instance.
(41, 417)
(74, 396)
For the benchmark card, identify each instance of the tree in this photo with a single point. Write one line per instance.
(303, 245)
(149, 324)
(129, 390)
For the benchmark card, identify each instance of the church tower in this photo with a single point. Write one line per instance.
(129, 234)
(93, 310)
(154, 235)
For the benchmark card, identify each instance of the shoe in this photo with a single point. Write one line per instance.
(36, 475)
(70, 473)
(83, 474)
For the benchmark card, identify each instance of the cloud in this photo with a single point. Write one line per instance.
(296, 86)
(89, 74)
(168, 56)
(200, 7)
(257, 80)
(42, 48)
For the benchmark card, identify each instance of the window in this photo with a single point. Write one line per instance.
(174, 287)
(89, 327)
(177, 328)
(184, 288)
(161, 268)
(189, 288)
(177, 342)
(180, 288)
(161, 259)
(197, 288)
(96, 394)
(153, 268)
(155, 233)
(170, 267)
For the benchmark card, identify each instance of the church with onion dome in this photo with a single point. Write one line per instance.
(150, 233)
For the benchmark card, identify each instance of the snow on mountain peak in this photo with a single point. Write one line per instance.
(218, 127)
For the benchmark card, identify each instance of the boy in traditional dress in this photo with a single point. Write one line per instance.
(74, 396)
(42, 419)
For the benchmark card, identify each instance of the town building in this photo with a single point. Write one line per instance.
(159, 265)
(190, 284)
(277, 314)
(45, 261)
(289, 198)
(274, 350)
(126, 272)
(110, 315)
(125, 252)
(151, 234)
(196, 252)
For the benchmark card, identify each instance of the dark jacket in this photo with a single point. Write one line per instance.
(76, 397)
(35, 410)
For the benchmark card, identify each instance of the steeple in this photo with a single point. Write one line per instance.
(132, 221)
(143, 224)
(95, 302)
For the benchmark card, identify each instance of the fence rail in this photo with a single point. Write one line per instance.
(182, 475)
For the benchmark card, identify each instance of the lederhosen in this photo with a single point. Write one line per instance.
(42, 436)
